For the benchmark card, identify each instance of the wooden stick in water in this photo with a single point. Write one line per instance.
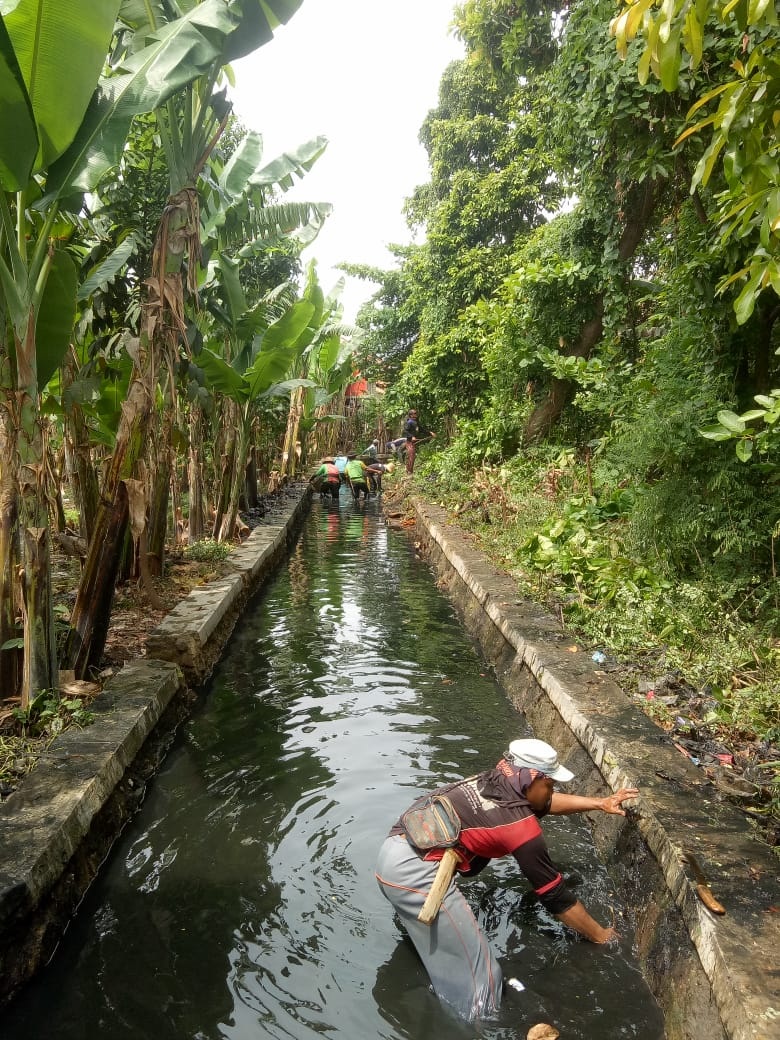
(703, 890)
(438, 890)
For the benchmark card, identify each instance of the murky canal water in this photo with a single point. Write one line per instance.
(241, 903)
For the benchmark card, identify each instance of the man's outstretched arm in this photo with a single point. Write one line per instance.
(563, 804)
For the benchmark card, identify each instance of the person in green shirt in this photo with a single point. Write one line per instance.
(357, 477)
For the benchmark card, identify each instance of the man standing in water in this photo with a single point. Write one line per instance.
(356, 473)
(498, 814)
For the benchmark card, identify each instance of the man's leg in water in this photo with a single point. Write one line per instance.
(462, 967)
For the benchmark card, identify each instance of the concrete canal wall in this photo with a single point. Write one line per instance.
(714, 976)
(57, 828)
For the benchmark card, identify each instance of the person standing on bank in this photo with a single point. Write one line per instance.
(414, 434)
(495, 813)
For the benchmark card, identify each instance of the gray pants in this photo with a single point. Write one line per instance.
(462, 968)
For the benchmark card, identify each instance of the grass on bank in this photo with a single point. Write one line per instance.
(574, 549)
(28, 732)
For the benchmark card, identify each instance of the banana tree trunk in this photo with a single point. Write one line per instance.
(90, 619)
(137, 504)
(92, 609)
(289, 453)
(195, 476)
(250, 482)
(10, 656)
(223, 492)
(40, 643)
(154, 536)
(154, 542)
(324, 436)
(222, 458)
(40, 648)
(55, 468)
(126, 570)
(236, 473)
(84, 482)
(178, 237)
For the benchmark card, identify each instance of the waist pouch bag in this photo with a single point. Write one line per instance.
(434, 824)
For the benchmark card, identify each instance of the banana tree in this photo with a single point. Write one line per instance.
(42, 113)
(64, 132)
(257, 371)
(243, 217)
(334, 365)
(239, 211)
(243, 225)
(169, 65)
(325, 368)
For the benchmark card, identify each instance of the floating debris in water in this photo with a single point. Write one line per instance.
(543, 1032)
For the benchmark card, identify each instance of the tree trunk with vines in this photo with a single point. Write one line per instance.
(639, 204)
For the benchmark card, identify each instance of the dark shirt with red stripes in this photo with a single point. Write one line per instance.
(498, 821)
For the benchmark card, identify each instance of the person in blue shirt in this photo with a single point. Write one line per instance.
(396, 447)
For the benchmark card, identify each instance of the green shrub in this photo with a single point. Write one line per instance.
(49, 714)
(207, 550)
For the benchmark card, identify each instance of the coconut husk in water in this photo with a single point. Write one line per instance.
(542, 1031)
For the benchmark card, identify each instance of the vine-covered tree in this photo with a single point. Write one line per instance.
(572, 327)
(492, 181)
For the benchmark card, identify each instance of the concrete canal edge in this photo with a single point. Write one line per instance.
(58, 827)
(714, 977)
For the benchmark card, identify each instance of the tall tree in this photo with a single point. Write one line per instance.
(389, 321)
(490, 185)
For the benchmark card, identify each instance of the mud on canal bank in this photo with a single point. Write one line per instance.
(714, 977)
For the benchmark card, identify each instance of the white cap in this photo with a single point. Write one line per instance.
(536, 754)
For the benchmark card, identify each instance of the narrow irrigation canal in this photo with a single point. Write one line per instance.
(241, 903)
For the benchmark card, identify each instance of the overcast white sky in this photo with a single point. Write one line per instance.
(364, 73)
